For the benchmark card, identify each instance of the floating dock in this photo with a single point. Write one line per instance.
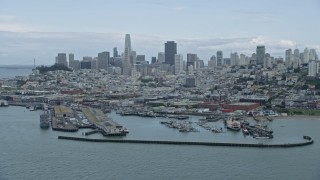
(307, 141)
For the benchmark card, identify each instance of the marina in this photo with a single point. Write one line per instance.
(21, 131)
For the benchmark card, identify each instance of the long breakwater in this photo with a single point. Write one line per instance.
(307, 141)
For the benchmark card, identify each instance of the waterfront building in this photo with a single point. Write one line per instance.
(161, 57)
(170, 49)
(260, 52)
(103, 60)
(178, 63)
(219, 58)
(62, 59)
(126, 65)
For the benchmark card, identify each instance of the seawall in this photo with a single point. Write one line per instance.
(307, 141)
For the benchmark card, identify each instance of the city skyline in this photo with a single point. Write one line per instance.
(200, 28)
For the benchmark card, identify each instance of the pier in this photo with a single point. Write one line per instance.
(307, 141)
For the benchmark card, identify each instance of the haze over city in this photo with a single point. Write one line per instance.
(202, 27)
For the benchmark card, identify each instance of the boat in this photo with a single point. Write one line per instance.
(3, 103)
(32, 108)
(44, 121)
(245, 131)
(233, 124)
(125, 130)
(217, 130)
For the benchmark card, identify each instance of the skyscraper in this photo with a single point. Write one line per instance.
(103, 60)
(115, 52)
(161, 57)
(289, 58)
(306, 55)
(178, 63)
(62, 59)
(170, 49)
(126, 56)
(313, 68)
(191, 61)
(261, 51)
(219, 58)
(234, 58)
(71, 57)
(296, 58)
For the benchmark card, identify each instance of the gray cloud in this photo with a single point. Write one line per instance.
(22, 47)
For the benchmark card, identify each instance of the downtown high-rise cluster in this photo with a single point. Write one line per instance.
(129, 63)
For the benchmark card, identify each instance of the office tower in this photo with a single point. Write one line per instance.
(288, 58)
(211, 64)
(296, 58)
(161, 57)
(191, 61)
(72, 64)
(133, 58)
(313, 68)
(234, 58)
(115, 52)
(103, 60)
(170, 49)
(306, 55)
(71, 57)
(126, 56)
(62, 59)
(213, 58)
(227, 61)
(312, 54)
(261, 50)
(94, 63)
(242, 60)
(199, 63)
(153, 60)
(219, 58)
(178, 63)
(268, 61)
(141, 58)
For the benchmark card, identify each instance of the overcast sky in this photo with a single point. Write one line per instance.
(40, 29)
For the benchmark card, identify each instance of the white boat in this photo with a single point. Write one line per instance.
(3, 103)
(233, 125)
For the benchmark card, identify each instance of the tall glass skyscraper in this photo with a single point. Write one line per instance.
(170, 49)
(126, 65)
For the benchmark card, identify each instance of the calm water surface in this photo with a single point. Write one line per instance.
(28, 152)
(11, 72)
